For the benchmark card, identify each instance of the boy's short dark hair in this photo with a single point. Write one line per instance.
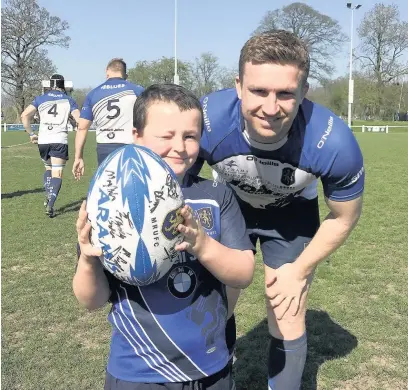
(169, 93)
(275, 47)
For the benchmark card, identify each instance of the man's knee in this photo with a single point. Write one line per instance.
(289, 327)
(56, 171)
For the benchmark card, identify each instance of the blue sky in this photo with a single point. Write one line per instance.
(144, 30)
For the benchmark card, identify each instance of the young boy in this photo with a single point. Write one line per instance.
(171, 334)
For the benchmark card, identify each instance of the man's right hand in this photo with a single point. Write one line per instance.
(34, 139)
(78, 168)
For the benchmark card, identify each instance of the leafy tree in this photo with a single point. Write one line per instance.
(147, 73)
(322, 34)
(79, 95)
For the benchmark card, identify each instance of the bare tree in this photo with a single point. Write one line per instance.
(384, 40)
(147, 73)
(322, 34)
(26, 29)
(205, 72)
(227, 77)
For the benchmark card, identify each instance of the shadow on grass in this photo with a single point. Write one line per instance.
(21, 193)
(327, 340)
(70, 207)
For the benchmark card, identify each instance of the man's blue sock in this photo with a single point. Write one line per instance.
(47, 179)
(286, 363)
(54, 188)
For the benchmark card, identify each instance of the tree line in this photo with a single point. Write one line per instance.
(380, 59)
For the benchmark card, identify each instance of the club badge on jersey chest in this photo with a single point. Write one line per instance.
(288, 176)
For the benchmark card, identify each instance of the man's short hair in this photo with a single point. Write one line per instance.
(117, 65)
(168, 93)
(275, 47)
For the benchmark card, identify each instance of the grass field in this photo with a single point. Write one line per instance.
(358, 307)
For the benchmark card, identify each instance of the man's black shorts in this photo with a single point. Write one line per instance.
(53, 150)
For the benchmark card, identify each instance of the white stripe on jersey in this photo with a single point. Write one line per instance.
(103, 102)
(145, 348)
(113, 118)
(207, 201)
(158, 324)
(141, 354)
(172, 365)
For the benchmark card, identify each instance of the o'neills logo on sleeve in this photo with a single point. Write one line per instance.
(206, 119)
(326, 133)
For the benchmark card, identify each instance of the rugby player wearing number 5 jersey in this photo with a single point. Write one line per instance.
(270, 145)
(54, 108)
(110, 107)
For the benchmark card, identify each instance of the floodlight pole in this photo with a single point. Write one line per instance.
(399, 104)
(351, 81)
(176, 76)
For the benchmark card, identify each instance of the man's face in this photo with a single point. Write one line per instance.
(173, 134)
(270, 95)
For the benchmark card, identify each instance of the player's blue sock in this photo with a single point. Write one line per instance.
(47, 179)
(53, 190)
(286, 362)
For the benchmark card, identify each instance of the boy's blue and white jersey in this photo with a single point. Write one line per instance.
(110, 107)
(174, 329)
(270, 176)
(54, 108)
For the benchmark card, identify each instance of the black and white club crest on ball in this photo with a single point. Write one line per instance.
(133, 204)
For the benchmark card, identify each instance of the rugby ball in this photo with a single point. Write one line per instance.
(133, 204)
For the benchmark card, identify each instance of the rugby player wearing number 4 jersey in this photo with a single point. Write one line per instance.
(110, 107)
(54, 108)
(271, 145)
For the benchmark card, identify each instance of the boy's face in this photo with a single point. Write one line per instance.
(173, 134)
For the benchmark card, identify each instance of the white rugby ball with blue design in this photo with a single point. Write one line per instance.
(133, 204)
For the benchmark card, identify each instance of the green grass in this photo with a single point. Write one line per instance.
(358, 306)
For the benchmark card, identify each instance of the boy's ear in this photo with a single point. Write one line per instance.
(135, 134)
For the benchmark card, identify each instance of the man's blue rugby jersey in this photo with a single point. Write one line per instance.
(174, 330)
(110, 107)
(54, 108)
(271, 176)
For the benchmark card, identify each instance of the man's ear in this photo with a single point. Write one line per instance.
(238, 86)
(305, 90)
